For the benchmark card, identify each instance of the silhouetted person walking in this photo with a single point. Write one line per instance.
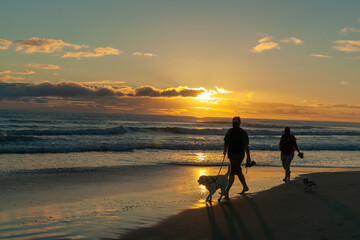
(287, 146)
(236, 144)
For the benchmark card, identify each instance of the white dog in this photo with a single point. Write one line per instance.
(212, 183)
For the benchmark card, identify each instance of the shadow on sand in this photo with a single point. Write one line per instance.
(237, 228)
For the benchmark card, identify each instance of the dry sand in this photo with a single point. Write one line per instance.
(282, 212)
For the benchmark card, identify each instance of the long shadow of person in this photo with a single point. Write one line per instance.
(268, 234)
(216, 232)
(233, 220)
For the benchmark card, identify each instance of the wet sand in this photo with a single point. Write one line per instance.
(283, 212)
(112, 201)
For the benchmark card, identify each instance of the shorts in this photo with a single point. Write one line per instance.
(287, 157)
(235, 165)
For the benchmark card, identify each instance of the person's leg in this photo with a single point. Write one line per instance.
(283, 161)
(231, 181)
(289, 158)
(243, 182)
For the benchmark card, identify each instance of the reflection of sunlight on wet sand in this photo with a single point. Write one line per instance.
(200, 173)
(199, 204)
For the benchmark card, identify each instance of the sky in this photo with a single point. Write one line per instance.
(257, 58)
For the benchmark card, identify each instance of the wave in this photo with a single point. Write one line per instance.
(85, 131)
(172, 130)
(129, 147)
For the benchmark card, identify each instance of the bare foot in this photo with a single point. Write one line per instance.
(244, 190)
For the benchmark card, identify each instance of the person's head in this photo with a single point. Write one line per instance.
(287, 131)
(236, 122)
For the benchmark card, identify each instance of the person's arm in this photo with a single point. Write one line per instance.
(296, 147)
(225, 148)
(247, 150)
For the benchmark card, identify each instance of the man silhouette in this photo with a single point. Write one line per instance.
(236, 144)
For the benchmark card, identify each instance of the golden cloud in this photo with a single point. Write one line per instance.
(98, 52)
(21, 72)
(35, 45)
(145, 54)
(320, 55)
(8, 77)
(348, 46)
(43, 66)
(266, 43)
(292, 39)
(4, 44)
(264, 46)
(346, 30)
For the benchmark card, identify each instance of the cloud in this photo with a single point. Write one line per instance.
(145, 54)
(348, 46)
(292, 39)
(267, 43)
(74, 89)
(104, 82)
(43, 66)
(21, 72)
(35, 45)
(221, 90)
(4, 44)
(25, 72)
(48, 89)
(149, 91)
(320, 56)
(8, 77)
(343, 83)
(98, 52)
(266, 38)
(346, 30)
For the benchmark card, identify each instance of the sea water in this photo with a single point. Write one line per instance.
(49, 140)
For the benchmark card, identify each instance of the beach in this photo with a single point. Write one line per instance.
(282, 212)
(114, 203)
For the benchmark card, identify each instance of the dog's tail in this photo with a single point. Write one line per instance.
(228, 172)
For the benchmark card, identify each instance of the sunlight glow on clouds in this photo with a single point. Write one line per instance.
(21, 72)
(346, 30)
(8, 77)
(74, 89)
(320, 56)
(343, 83)
(4, 44)
(43, 66)
(145, 54)
(35, 45)
(266, 43)
(42, 45)
(98, 52)
(348, 46)
(104, 82)
(292, 39)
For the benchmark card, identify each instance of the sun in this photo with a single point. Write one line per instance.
(206, 95)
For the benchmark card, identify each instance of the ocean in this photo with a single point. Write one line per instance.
(56, 140)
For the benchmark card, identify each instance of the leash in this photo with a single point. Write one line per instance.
(219, 170)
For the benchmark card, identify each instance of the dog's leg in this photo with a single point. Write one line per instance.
(209, 197)
(223, 192)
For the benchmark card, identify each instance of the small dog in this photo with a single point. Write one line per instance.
(212, 183)
(309, 184)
